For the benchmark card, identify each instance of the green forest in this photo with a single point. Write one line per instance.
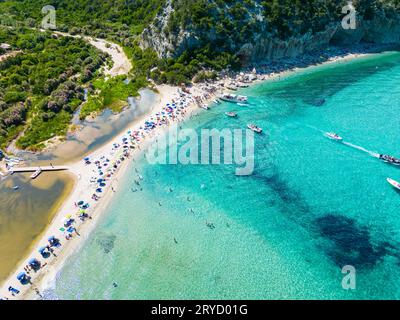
(41, 86)
(122, 21)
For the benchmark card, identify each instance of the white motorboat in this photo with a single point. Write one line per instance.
(254, 128)
(390, 159)
(231, 114)
(334, 136)
(233, 98)
(394, 183)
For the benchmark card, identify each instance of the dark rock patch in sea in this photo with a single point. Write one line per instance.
(291, 199)
(316, 102)
(106, 242)
(352, 244)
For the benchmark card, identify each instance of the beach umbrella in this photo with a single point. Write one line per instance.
(52, 238)
(42, 250)
(33, 262)
(86, 159)
(99, 190)
(71, 229)
(21, 276)
(80, 203)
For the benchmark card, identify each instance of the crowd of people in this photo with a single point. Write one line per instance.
(103, 169)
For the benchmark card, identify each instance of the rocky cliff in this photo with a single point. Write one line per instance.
(252, 37)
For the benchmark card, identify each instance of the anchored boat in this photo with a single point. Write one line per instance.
(394, 183)
(254, 128)
(233, 98)
(390, 159)
(231, 114)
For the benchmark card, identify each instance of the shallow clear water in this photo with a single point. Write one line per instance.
(25, 213)
(311, 207)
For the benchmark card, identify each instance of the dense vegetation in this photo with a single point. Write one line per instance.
(230, 19)
(113, 19)
(110, 94)
(220, 26)
(120, 21)
(41, 87)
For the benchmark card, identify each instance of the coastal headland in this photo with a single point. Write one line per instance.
(96, 177)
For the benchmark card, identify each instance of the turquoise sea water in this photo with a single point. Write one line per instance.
(311, 206)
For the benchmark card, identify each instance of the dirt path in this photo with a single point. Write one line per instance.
(121, 63)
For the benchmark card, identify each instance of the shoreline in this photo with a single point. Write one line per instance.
(81, 189)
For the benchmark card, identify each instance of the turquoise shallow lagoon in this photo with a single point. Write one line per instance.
(311, 206)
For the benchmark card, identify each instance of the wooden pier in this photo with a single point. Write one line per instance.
(37, 170)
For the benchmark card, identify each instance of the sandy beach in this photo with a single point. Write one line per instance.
(84, 188)
(86, 176)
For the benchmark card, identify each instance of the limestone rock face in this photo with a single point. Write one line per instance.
(379, 30)
(261, 45)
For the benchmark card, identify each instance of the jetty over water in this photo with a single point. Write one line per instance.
(37, 170)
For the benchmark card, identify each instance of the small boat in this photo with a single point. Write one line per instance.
(36, 173)
(254, 128)
(390, 159)
(394, 183)
(204, 106)
(242, 104)
(233, 98)
(334, 136)
(231, 114)
(15, 187)
(216, 101)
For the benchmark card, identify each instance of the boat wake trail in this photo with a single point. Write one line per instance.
(371, 153)
(308, 126)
